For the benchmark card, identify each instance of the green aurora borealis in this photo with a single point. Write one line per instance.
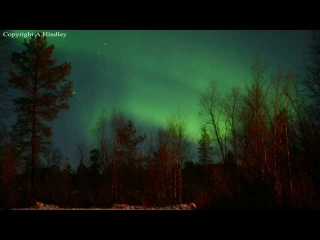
(148, 75)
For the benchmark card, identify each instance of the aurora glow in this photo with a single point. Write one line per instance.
(148, 75)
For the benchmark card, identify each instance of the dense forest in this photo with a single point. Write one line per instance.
(259, 146)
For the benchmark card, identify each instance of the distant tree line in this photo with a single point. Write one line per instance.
(258, 146)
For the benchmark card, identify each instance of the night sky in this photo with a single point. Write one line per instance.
(149, 75)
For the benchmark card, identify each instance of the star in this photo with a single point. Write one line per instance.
(74, 93)
(105, 44)
(98, 53)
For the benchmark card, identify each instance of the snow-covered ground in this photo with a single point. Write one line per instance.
(42, 206)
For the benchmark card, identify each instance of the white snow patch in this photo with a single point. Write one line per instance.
(42, 206)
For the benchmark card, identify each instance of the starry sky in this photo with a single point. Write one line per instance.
(150, 74)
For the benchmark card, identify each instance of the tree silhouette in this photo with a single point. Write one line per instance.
(232, 114)
(311, 76)
(117, 122)
(253, 120)
(164, 167)
(6, 45)
(211, 110)
(67, 187)
(205, 152)
(180, 150)
(94, 168)
(310, 80)
(44, 93)
(100, 138)
(8, 173)
(82, 178)
(128, 142)
(205, 148)
(53, 157)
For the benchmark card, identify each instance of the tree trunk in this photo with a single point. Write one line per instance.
(114, 186)
(220, 142)
(34, 156)
(175, 182)
(289, 160)
(180, 183)
(235, 147)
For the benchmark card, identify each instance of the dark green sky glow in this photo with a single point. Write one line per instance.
(150, 74)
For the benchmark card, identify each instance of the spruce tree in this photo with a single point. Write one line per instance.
(44, 91)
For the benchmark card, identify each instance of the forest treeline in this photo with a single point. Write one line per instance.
(259, 146)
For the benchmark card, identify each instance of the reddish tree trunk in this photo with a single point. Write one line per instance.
(34, 156)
